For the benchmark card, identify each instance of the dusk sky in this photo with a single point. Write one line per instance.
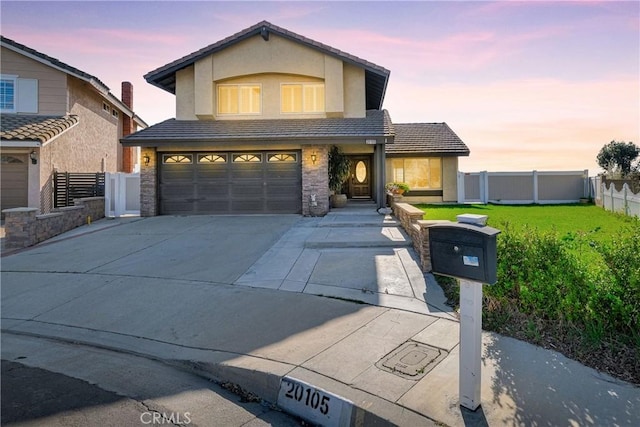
(526, 85)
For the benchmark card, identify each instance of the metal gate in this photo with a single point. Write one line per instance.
(68, 186)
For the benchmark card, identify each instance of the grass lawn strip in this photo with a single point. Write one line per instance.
(555, 288)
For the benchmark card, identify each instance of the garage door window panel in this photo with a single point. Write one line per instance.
(177, 158)
(212, 158)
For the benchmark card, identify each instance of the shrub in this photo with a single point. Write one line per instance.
(538, 275)
(618, 298)
(397, 187)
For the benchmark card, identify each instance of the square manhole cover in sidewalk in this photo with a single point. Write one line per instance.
(412, 360)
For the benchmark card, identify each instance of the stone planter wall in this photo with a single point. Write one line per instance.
(24, 227)
(417, 228)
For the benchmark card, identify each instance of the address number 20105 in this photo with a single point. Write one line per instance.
(308, 396)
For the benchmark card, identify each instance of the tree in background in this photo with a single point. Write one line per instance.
(618, 157)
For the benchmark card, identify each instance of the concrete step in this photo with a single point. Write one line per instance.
(357, 237)
(361, 220)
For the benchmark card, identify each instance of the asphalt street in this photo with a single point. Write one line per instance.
(115, 389)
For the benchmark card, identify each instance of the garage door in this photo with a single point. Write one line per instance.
(230, 182)
(14, 177)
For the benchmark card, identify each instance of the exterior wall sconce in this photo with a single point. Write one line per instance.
(33, 157)
(146, 159)
(314, 158)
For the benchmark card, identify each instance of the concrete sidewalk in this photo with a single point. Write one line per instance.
(207, 294)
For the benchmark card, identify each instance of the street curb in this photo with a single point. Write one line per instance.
(263, 377)
(366, 409)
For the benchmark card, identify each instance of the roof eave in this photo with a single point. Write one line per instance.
(13, 143)
(429, 154)
(154, 141)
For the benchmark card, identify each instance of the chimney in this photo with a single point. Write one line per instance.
(128, 127)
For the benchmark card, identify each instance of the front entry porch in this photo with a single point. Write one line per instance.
(360, 180)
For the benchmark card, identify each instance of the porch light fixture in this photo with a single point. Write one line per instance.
(370, 141)
(314, 158)
(33, 157)
(146, 159)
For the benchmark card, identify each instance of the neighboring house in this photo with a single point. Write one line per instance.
(256, 114)
(54, 117)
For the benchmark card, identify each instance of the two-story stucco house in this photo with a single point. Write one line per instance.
(256, 115)
(54, 117)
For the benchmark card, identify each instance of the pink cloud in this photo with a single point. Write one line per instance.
(527, 124)
(468, 49)
(280, 13)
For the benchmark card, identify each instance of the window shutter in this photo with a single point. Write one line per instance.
(27, 94)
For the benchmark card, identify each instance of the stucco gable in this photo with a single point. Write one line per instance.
(376, 77)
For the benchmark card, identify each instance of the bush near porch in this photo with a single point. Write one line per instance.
(568, 279)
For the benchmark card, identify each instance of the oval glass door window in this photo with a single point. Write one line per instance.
(361, 172)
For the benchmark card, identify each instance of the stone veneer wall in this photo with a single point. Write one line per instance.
(148, 182)
(315, 180)
(411, 220)
(24, 227)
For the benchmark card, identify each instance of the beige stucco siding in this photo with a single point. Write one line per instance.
(204, 87)
(52, 90)
(277, 55)
(89, 144)
(185, 94)
(449, 179)
(354, 91)
(269, 64)
(334, 87)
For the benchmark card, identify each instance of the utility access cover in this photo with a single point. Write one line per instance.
(412, 360)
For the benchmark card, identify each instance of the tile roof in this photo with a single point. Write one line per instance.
(426, 138)
(18, 127)
(376, 77)
(377, 123)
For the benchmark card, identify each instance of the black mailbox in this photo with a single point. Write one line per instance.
(464, 251)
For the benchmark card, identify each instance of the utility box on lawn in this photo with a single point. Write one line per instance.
(464, 251)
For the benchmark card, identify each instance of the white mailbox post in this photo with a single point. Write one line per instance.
(467, 250)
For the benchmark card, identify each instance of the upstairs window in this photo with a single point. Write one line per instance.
(302, 98)
(18, 95)
(239, 99)
(8, 94)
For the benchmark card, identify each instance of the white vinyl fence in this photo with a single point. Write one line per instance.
(122, 194)
(623, 201)
(523, 187)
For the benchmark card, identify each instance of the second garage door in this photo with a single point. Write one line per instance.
(230, 182)
(14, 171)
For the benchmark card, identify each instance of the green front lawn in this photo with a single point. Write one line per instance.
(568, 279)
(563, 219)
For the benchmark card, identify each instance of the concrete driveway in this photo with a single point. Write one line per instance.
(208, 294)
(197, 248)
(354, 254)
